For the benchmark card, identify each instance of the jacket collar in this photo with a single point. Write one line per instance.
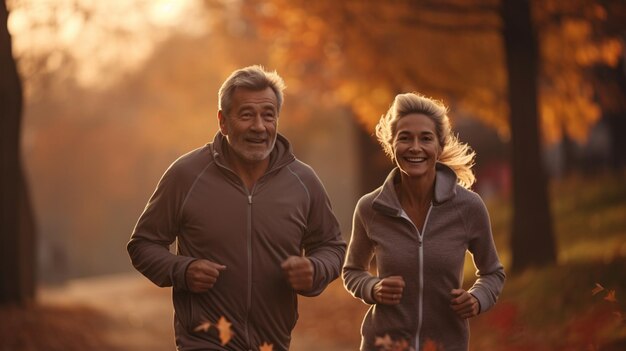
(445, 189)
(281, 155)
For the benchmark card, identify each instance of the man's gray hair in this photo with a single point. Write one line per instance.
(253, 78)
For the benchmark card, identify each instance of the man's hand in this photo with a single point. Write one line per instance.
(464, 304)
(299, 272)
(389, 290)
(202, 274)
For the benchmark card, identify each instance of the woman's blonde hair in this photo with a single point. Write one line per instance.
(455, 154)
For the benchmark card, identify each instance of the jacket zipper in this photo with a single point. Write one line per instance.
(249, 252)
(249, 242)
(420, 298)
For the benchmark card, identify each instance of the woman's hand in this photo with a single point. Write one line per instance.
(464, 304)
(389, 290)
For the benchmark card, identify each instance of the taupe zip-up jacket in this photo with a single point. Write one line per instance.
(431, 263)
(206, 208)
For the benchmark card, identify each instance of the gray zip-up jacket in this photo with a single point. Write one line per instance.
(206, 208)
(431, 263)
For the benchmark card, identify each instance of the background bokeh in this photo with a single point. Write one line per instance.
(114, 91)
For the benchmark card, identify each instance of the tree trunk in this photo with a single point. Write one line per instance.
(17, 244)
(532, 238)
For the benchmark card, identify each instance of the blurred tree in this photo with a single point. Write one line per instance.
(532, 235)
(609, 82)
(17, 242)
(362, 53)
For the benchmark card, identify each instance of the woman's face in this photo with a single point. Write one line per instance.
(416, 145)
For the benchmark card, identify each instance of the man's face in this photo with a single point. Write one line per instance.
(250, 126)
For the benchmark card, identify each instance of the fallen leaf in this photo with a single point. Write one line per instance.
(620, 316)
(203, 327)
(597, 289)
(266, 347)
(610, 296)
(224, 328)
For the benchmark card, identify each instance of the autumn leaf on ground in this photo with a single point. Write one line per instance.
(203, 327)
(224, 328)
(266, 347)
(597, 289)
(610, 296)
(620, 316)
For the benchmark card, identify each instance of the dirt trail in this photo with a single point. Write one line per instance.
(141, 313)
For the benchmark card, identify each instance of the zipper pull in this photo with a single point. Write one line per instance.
(250, 199)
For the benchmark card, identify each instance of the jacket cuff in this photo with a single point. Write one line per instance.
(368, 296)
(179, 275)
(483, 301)
(319, 280)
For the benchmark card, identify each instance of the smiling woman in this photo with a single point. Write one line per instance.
(419, 225)
(104, 40)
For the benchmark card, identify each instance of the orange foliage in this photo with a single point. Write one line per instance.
(204, 327)
(610, 296)
(361, 54)
(222, 326)
(226, 333)
(597, 289)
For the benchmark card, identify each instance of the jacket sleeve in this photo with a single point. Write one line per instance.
(489, 270)
(323, 244)
(156, 230)
(356, 276)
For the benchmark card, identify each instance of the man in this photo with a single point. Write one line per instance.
(253, 227)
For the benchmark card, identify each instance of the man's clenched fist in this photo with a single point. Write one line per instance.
(299, 272)
(202, 274)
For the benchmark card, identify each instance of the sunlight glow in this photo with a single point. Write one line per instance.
(103, 40)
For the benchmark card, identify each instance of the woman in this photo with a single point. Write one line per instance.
(418, 225)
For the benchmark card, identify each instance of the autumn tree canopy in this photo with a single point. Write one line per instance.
(451, 50)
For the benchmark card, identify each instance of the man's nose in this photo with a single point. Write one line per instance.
(257, 123)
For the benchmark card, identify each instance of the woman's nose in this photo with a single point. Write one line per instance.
(415, 145)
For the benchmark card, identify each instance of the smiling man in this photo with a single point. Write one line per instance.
(253, 227)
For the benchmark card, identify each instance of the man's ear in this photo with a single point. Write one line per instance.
(222, 122)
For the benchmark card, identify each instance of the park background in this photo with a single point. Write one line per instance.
(99, 97)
